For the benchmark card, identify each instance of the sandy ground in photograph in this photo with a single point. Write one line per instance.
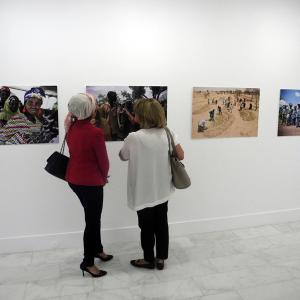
(228, 124)
(288, 130)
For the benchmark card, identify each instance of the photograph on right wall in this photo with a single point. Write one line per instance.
(289, 113)
(225, 112)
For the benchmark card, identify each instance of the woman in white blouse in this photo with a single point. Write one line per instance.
(149, 183)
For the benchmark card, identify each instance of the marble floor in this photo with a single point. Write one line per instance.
(257, 263)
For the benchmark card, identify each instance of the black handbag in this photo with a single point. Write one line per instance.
(57, 162)
(180, 177)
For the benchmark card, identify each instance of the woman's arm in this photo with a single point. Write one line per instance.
(124, 153)
(101, 155)
(122, 157)
(179, 152)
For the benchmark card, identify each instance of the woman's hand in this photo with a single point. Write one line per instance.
(179, 152)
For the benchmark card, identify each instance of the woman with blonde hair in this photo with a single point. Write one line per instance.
(87, 174)
(149, 183)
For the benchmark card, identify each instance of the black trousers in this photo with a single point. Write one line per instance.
(91, 198)
(153, 222)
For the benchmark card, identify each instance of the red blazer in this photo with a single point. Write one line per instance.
(88, 164)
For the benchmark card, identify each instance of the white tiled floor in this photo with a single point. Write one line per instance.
(258, 263)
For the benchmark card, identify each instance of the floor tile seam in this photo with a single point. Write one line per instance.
(264, 285)
(181, 281)
(278, 244)
(241, 269)
(248, 287)
(223, 292)
(239, 294)
(249, 269)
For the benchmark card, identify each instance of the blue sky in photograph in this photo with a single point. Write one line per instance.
(290, 96)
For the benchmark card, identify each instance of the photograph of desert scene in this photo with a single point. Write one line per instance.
(224, 112)
(289, 113)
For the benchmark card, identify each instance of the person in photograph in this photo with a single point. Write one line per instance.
(100, 119)
(149, 182)
(24, 127)
(11, 108)
(43, 122)
(113, 115)
(87, 174)
(4, 94)
(298, 116)
(120, 117)
(126, 119)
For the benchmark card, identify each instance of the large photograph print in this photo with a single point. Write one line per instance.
(289, 113)
(28, 115)
(225, 112)
(115, 107)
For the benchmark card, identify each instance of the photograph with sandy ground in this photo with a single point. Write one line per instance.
(289, 113)
(224, 112)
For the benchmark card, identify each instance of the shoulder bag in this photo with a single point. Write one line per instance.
(180, 178)
(57, 162)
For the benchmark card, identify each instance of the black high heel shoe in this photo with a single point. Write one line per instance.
(107, 258)
(84, 268)
(160, 264)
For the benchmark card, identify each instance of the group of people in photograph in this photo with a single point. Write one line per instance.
(114, 112)
(26, 122)
(115, 118)
(289, 115)
(227, 104)
(149, 182)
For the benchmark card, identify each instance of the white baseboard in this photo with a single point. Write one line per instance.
(124, 234)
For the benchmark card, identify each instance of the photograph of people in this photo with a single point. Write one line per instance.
(289, 113)
(28, 115)
(225, 112)
(149, 182)
(115, 107)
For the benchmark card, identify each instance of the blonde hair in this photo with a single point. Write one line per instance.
(150, 113)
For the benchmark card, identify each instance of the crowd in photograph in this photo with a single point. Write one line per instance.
(228, 104)
(289, 115)
(115, 114)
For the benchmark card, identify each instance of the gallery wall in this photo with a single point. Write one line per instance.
(236, 182)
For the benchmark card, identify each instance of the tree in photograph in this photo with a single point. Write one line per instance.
(138, 92)
(157, 90)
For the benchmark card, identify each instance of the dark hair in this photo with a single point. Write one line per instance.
(112, 97)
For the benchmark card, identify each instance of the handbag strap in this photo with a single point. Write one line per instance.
(171, 143)
(62, 149)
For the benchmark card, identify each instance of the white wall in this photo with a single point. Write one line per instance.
(217, 43)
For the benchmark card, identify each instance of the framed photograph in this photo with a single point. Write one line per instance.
(289, 113)
(28, 115)
(115, 107)
(224, 112)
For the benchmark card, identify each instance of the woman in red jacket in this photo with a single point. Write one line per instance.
(87, 174)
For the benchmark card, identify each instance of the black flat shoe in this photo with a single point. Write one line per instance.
(106, 258)
(84, 268)
(141, 263)
(160, 264)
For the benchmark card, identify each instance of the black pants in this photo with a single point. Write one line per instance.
(153, 222)
(91, 198)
